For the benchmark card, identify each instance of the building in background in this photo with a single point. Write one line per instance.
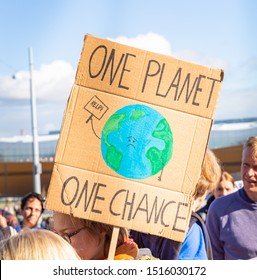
(19, 148)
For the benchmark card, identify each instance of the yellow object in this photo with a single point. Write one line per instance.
(123, 257)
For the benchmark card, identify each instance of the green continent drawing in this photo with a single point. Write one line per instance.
(137, 142)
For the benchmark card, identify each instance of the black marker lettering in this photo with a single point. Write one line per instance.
(179, 217)
(198, 89)
(97, 197)
(124, 69)
(91, 63)
(211, 91)
(148, 74)
(66, 185)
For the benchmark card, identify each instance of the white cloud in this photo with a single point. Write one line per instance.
(54, 81)
(12, 88)
(151, 42)
(159, 44)
(52, 86)
(51, 82)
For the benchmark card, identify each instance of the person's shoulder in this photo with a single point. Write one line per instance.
(194, 231)
(225, 199)
(193, 247)
(221, 204)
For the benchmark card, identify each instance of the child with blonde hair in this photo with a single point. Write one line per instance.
(36, 244)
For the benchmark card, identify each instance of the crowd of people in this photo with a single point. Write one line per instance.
(225, 228)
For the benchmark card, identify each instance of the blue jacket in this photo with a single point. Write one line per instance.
(196, 245)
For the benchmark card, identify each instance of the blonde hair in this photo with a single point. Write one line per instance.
(210, 174)
(225, 176)
(96, 228)
(251, 143)
(36, 244)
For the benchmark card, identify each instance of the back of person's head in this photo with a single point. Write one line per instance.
(36, 244)
(31, 196)
(210, 174)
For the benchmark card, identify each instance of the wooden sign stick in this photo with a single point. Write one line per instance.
(113, 245)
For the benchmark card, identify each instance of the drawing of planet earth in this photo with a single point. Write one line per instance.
(136, 142)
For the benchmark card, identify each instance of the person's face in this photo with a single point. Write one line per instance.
(249, 173)
(31, 212)
(88, 247)
(224, 188)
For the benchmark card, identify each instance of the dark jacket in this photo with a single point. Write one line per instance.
(167, 249)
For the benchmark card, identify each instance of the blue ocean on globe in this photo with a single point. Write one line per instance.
(137, 142)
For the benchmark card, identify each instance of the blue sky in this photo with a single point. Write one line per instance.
(218, 34)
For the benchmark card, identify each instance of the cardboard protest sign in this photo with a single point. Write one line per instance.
(133, 138)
